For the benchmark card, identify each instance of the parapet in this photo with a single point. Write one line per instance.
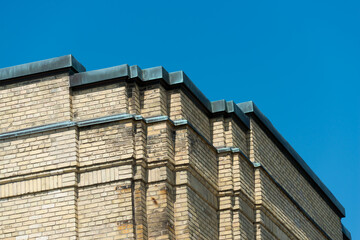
(52, 64)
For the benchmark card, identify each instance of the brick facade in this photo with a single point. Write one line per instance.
(125, 153)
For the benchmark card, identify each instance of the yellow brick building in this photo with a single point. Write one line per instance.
(126, 153)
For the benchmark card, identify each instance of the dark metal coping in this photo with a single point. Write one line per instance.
(51, 64)
(38, 129)
(156, 73)
(250, 107)
(67, 124)
(91, 122)
(346, 232)
(99, 75)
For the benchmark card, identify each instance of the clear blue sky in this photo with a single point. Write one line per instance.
(299, 61)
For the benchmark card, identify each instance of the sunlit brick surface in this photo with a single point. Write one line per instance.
(146, 176)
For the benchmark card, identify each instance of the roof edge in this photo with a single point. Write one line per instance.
(250, 107)
(346, 232)
(100, 75)
(67, 61)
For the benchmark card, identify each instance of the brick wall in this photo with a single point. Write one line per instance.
(99, 101)
(26, 104)
(105, 143)
(38, 152)
(153, 100)
(280, 215)
(39, 216)
(146, 176)
(105, 211)
(195, 116)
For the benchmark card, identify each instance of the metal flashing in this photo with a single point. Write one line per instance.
(223, 150)
(235, 150)
(181, 122)
(100, 75)
(155, 73)
(106, 119)
(346, 232)
(47, 65)
(246, 107)
(156, 119)
(218, 106)
(176, 77)
(38, 129)
(136, 72)
(250, 107)
(257, 164)
(138, 117)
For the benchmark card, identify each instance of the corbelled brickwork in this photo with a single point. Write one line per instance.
(126, 153)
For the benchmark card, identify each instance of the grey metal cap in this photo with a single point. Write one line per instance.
(346, 232)
(99, 75)
(51, 64)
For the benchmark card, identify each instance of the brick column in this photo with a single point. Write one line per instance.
(160, 192)
(226, 187)
(218, 132)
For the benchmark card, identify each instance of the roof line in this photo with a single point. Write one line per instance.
(346, 232)
(67, 61)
